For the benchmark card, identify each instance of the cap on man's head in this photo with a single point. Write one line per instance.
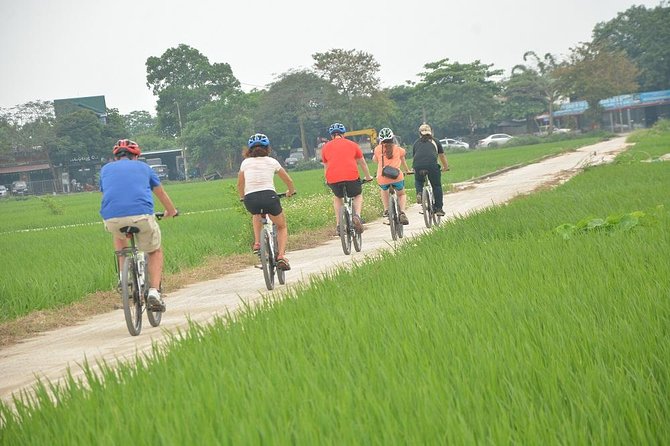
(424, 129)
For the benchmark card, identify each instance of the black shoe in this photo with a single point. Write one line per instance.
(439, 212)
(403, 219)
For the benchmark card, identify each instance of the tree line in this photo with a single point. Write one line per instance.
(200, 105)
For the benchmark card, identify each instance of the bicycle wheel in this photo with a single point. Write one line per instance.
(399, 227)
(345, 230)
(357, 238)
(427, 206)
(393, 217)
(153, 316)
(132, 303)
(281, 274)
(267, 260)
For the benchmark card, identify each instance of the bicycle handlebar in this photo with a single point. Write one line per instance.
(160, 215)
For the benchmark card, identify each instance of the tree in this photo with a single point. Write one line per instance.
(353, 73)
(80, 134)
(139, 122)
(217, 132)
(594, 73)
(294, 106)
(184, 80)
(644, 35)
(536, 77)
(461, 95)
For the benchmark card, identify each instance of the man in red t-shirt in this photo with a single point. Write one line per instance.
(341, 158)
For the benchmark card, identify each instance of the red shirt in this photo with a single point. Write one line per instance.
(341, 155)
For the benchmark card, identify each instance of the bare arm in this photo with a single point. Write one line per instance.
(403, 164)
(361, 162)
(287, 180)
(240, 184)
(165, 200)
(443, 161)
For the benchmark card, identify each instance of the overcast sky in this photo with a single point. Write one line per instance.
(55, 49)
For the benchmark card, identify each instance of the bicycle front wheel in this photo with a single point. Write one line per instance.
(345, 230)
(281, 274)
(358, 240)
(132, 302)
(427, 207)
(153, 316)
(267, 260)
(393, 217)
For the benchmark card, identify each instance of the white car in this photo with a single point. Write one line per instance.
(3, 191)
(495, 140)
(454, 144)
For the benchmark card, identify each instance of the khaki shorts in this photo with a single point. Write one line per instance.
(149, 237)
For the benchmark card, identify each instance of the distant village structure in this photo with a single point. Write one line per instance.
(44, 176)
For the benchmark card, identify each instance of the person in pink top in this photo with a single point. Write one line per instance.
(388, 153)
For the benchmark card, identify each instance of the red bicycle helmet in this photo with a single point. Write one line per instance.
(126, 145)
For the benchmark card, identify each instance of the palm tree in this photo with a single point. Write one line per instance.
(544, 70)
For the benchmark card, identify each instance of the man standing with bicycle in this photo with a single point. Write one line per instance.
(427, 151)
(341, 159)
(127, 185)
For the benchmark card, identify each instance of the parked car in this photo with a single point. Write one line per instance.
(495, 140)
(449, 143)
(294, 159)
(19, 188)
(3, 191)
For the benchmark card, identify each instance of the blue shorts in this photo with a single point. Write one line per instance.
(399, 185)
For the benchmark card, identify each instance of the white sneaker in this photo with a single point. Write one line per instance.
(154, 300)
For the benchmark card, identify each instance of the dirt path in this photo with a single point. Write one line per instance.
(105, 338)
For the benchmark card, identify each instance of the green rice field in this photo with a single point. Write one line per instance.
(544, 321)
(55, 250)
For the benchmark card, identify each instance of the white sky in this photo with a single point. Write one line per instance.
(54, 49)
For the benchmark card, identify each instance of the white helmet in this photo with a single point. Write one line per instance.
(385, 134)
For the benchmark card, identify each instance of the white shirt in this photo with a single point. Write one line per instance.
(259, 173)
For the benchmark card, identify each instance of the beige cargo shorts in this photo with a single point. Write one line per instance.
(149, 237)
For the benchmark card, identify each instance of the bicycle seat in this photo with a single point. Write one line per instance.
(423, 172)
(129, 229)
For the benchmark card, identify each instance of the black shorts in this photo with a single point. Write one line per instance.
(263, 202)
(353, 188)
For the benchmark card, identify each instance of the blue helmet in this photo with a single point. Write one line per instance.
(337, 128)
(258, 139)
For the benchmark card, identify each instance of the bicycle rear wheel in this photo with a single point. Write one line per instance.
(427, 207)
(345, 230)
(267, 260)
(132, 302)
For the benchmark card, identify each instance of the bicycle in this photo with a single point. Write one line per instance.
(135, 283)
(394, 214)
(428, 202)
(269, 250)
(346, 229)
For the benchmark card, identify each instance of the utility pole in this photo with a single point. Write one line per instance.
(183, 150)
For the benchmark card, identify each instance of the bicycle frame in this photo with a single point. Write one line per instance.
(347, 231)
(428, 202)
(269, 250)
(394, 214)
(134, 278)
(135, 285)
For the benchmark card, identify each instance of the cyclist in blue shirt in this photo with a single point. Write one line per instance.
(127, 185)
